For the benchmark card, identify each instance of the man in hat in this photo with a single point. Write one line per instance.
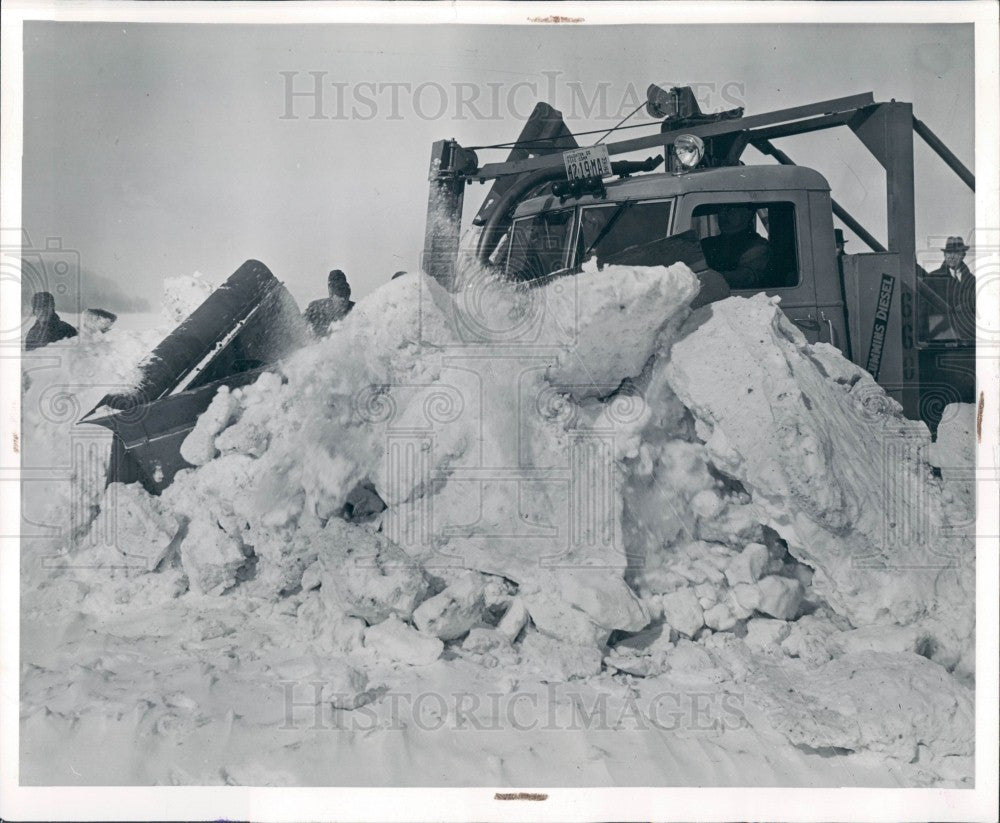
(948, 297)
(48, 327)
(321, 313)
(946, 305)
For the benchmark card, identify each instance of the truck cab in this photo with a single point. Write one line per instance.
(553, 205)
(787, 207)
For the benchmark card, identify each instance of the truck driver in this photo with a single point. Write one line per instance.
(738, 253)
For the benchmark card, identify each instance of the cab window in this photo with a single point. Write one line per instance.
(537, 244)
(752, 245)
(610, 228)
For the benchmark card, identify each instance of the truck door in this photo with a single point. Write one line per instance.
(874, 316)
(759, 241)
(828, 275)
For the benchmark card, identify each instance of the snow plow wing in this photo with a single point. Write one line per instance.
(243, 328)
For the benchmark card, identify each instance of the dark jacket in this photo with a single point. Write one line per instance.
(947, 306)
(321, 313)
(48, 331)
(742, 259)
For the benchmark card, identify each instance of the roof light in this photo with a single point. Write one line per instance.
(689, 149)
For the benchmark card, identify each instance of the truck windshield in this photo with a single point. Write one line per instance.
(610, 228)
(537, 244)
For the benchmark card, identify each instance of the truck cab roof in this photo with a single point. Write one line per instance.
(663, 184)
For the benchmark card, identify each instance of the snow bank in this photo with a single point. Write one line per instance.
(65, 465)
(580, 481)
(829, 462)
(331, 422)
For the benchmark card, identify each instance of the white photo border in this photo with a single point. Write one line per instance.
(461, 804)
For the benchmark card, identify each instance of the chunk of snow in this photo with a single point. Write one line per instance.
(555, 617)
(638, 666)
(612, 305)
(809, 639)
(451, 613)
(747, 596)
(395, 640)
(687, 656)
(199, 446)
(481, 640)
(748, 566)
(140, 526)
(780, 597)
(367, 575)
(183, 294)
(720, 618)
(766, 634)
(558, 661)
(683, 612)
(606, 600)
(513, 620)
(210, 557)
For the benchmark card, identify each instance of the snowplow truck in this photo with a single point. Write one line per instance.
(555, 204)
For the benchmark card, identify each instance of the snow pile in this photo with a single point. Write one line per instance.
(280, 458)
(581, 481)
(65, 464)
(831, 466)
(183, 294)
(62, 382)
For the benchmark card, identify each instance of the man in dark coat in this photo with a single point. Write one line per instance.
(947, 331)
(48, 327)
(321, 313)
(739, 254)
(948, 298)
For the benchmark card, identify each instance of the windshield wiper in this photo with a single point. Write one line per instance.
(607, 228)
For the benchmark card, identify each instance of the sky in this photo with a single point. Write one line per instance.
(156, 150)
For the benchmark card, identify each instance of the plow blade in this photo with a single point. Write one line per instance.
(244, 327)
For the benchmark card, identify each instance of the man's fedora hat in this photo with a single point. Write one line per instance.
(955, 244)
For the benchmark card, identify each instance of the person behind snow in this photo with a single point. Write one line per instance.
(321, 313)
(49, 327)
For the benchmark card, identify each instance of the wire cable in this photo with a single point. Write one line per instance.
(543, 141)
(626, 117)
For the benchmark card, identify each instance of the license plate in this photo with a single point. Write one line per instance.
(591, 161)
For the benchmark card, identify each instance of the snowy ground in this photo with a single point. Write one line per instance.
(674, 560)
